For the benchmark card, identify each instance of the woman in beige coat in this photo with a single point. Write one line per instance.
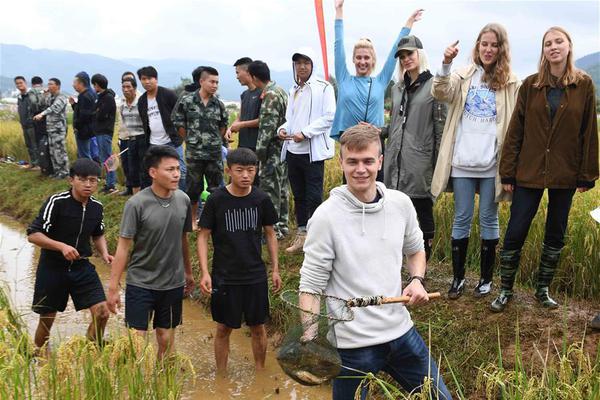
(481, 98)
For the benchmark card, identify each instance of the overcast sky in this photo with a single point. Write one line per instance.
(224, 30)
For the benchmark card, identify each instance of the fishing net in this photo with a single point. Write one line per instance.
(309, 351)
(112, 163)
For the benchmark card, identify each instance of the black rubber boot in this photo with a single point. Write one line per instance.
(548, 263)
(487, 263)
(459, 258)
(509, 264)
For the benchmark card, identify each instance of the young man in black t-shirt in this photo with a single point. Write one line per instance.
(235, 216)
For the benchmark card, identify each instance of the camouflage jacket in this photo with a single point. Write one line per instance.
(56, 113)
(38, 100)
(202, 124)
(271, 117)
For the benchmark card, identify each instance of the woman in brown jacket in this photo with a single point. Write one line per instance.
(551, 143)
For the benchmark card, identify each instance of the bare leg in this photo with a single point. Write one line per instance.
(166, 342)
(100, 315)
(42, 332)
(222, 347)
(259, 345)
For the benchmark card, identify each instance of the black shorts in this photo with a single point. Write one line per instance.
(162, 307)
(55, 283)
(229, 303)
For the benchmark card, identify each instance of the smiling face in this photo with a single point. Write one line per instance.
(556, 47)
(360, 167)
(488, 49)
(364, 61)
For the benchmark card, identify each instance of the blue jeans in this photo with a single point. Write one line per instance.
(464, 203)
(405, 359)
(83, 148)
(94, 149)
(105, 149)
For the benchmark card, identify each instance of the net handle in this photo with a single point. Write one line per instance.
(406, 299)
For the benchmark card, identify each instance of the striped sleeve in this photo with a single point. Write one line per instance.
(47, 215)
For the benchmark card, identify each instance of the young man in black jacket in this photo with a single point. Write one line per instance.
(155, 107)
(104, 125)
(83, 114)
(63, 229)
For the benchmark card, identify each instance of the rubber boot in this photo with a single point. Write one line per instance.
(548, 263)
(488, 260)
(509, 264)
(459, 257)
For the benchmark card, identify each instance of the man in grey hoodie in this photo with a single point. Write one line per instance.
(365, 258)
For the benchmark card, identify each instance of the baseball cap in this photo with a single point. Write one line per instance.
(409, 43)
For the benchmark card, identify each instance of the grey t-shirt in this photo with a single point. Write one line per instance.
(157, 259)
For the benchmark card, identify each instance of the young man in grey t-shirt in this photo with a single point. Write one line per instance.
(156, 222)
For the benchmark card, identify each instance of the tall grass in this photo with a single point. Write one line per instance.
(125, 368)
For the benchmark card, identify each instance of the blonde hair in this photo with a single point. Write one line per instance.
(365, 43)
(423, 64)
(499, 76)
(571, 75)
(359, 137)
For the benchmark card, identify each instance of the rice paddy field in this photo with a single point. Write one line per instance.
(524, 353)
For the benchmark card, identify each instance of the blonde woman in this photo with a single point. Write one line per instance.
(360, 97)
(551, 143)
(414, 133)
(481, 98)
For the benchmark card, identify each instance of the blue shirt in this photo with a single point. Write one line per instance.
(353, 91)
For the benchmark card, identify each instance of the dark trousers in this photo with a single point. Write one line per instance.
(424, 208)
(524, 206)
(135, 157)
(123, 145)
(306, 181)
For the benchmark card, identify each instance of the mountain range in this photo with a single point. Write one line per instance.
(22, 60)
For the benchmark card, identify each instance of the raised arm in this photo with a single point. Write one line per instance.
(341, 70)
(388, 68)
(444, 83)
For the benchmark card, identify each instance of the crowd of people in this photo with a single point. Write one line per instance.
(472, 130)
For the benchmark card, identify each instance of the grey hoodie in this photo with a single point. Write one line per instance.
(356, 249)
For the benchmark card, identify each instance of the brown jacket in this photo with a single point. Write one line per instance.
(559, 154)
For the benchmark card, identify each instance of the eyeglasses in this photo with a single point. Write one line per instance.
(91, 181)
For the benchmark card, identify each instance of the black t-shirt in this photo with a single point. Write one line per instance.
(236, 224)
(250, 109)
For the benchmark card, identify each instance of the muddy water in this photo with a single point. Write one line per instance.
(18, 260)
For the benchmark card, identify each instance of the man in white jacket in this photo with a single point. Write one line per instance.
(306, 146)
(355, 246)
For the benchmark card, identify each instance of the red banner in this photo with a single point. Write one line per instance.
(321, 26)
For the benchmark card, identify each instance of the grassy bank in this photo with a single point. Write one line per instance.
(469, 341)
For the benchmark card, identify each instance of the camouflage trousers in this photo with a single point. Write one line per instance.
(57, 143)
(274, 182)
(197, 171)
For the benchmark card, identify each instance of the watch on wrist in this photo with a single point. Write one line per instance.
(418, 278)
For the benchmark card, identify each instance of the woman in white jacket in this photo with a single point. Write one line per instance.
(481, 99)
(306, 142)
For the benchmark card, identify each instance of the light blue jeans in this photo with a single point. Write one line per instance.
(464, 203)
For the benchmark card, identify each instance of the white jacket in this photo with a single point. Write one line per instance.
(322, 111)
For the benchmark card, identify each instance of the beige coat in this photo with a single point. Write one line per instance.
(453, 89)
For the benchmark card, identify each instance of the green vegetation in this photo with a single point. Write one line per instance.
(467, 340)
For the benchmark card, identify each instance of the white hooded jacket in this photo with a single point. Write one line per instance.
(321, 113)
